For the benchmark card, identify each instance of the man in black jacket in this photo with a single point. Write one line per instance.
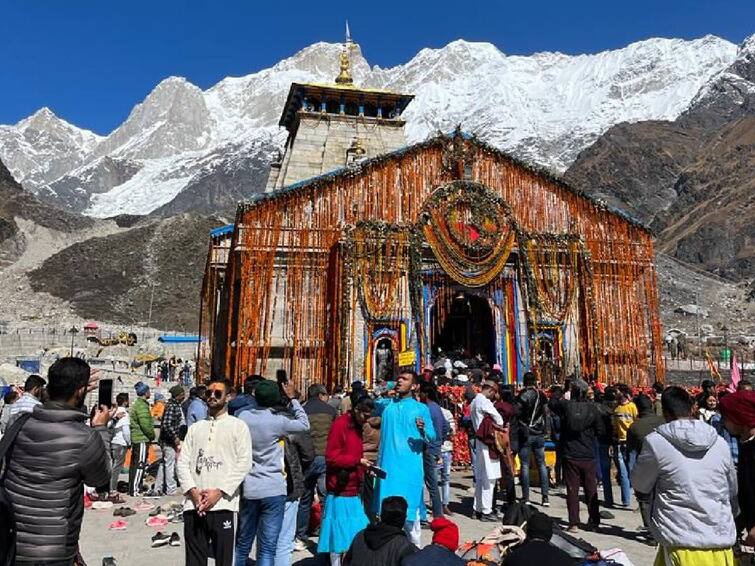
(532, 406)
(580, 425)
(386, 543)
(46, 486)
(321, 416)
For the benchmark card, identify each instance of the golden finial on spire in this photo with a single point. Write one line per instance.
(344, 75)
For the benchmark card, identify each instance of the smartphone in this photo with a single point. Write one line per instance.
(105, 396)
(379, 472)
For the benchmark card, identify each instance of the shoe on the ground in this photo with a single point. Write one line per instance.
(175, 540)
(299, 545)
(109, 561)
(604, 514)
(157, 521)
(118, 525)
(489, 518)
(546, 503)
(590, 526)
(573, 529)
(447, 511)
(160, 539)
(153, 494)
(116, 499)
(156, 511)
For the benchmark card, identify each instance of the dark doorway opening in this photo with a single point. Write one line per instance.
(464, 325)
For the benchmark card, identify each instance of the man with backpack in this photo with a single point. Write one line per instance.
(532, 406)
(46, 487)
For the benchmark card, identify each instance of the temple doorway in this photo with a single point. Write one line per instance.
(462, 327)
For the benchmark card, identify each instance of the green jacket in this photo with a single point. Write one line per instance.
(142, 425)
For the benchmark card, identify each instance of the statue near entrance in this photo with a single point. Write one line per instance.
(384, 358)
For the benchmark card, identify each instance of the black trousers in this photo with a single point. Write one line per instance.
(139, 451)
(576, 473)
(215, 530)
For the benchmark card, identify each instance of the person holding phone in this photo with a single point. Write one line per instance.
(345, 467)
(45, 486)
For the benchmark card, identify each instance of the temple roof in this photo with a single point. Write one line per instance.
(364, 165)
(347, 92)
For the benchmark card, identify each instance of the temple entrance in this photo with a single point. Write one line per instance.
(463, 328)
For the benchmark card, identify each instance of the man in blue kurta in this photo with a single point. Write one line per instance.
(405, 429)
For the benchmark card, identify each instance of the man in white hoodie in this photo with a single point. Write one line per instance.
(686, 479)
(215, 457)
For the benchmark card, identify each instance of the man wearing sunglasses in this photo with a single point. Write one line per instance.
(215, 457)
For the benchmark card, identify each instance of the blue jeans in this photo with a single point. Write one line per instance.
(429, 460)
(444, 483)
(604, 459)
(314, 478)
(535, 443)
(261, 518)
(285, 547)
(621, 459)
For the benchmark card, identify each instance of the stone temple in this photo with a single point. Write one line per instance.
(365, 254)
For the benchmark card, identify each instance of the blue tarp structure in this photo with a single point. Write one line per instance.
(175, 339)
(221, 230)
(28, 364)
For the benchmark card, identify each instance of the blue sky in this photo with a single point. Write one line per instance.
(92, 60)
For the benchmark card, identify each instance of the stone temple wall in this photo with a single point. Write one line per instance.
(321, 142)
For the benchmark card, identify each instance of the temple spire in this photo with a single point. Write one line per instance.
(344, 74)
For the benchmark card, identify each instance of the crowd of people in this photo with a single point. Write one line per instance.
(364, 471)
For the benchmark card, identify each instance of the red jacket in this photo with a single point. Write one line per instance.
(343, 471)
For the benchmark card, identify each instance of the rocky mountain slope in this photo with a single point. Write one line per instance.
(17, 203)
(116, 277)
(691, 179)
(184, 149)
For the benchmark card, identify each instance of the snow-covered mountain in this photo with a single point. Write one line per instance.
(181, 140)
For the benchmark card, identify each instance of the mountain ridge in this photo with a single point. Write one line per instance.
(544, 107)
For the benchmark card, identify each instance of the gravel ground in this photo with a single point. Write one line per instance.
(132, 546)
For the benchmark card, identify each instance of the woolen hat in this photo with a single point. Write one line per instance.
(267, 393)
(445, 533)
(739, 408)
(393, 511)
(141, 388)
(540, 526)
(176, 391)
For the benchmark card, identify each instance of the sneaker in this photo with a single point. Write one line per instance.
(447, 511)
(489, 518)
(299, 545)
(153, 494)
(102, 504)
(118, 525)
(546, 503)
(175, 540)
(160, 539)
(606, 514)
(109, 561)
(155, 511)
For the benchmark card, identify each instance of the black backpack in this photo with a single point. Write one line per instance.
(7, 524)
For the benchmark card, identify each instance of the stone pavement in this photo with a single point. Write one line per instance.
(132, 547)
